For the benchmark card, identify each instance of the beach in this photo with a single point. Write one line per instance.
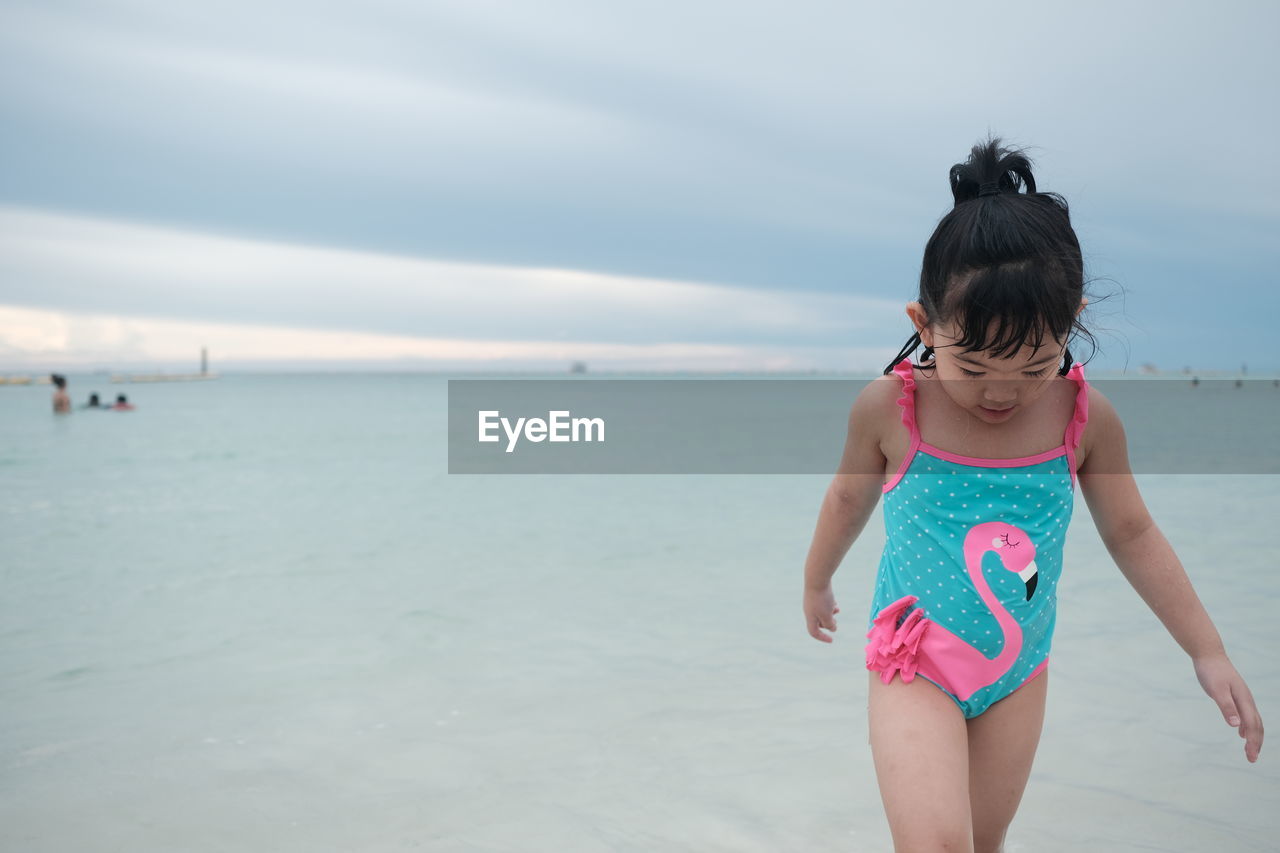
(259, 614)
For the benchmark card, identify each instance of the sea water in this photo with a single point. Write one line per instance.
(257, 614)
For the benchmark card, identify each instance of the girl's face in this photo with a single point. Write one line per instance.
(991, 388)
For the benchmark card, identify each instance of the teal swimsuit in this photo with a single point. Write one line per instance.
(967, 585)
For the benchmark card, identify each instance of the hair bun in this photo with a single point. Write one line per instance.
(991, 169)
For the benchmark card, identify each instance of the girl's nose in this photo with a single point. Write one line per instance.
(1000, 396)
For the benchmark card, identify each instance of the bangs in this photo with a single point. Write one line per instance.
(1004, 307)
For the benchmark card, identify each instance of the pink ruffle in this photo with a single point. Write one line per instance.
(1075, 429)
(893, 647)
(908, 399)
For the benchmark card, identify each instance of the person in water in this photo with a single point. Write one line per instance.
(93, 403)
(61, 401)
(123, 404)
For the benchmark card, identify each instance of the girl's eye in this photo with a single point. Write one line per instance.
(1031, 374)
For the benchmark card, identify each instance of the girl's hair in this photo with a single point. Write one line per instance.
(1003, 257)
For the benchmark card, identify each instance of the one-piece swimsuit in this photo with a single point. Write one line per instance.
(967, 584)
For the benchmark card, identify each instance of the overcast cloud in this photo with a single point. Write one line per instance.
(747, 181)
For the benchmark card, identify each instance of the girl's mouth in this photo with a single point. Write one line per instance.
(998, 413)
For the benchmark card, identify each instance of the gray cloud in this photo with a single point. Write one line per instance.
(730, 143)
(78, 265)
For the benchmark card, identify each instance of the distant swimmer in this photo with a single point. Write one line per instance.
(61, 402)
(123, 404)
(94, 402)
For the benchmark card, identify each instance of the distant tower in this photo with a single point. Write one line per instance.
(204, 360)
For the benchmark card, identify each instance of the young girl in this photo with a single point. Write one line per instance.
(977, 452)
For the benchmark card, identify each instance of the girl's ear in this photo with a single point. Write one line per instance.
(915, 311)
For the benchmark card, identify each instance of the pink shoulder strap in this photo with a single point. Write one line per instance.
(908, 403)
(1075, 429)
(908, 399)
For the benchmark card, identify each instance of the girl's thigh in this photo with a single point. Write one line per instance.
(920, 747)
(1002, 745)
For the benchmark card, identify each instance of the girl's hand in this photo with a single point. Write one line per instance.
(819, 611)
(1225, 686)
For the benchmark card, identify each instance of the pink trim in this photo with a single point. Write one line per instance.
(1044, 664)
(1075, 429)
(992, 463)
(907, 401)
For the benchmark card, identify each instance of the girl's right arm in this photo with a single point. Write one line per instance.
(849, 501)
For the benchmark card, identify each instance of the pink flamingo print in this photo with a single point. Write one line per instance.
(922, 645)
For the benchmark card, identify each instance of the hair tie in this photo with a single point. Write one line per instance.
(989, 188)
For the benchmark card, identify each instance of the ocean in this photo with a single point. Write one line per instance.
(258, 614)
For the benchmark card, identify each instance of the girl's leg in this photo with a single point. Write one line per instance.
(918, 742)
(1002, 744)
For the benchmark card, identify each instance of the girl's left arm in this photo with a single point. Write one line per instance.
(1150, 565)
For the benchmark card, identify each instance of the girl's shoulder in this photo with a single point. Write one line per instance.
(879, 396)
(884, 389)
(876, 406)
(884, 392)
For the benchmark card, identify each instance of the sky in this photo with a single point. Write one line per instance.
(654, 186)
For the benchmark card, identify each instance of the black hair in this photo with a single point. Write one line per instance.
(120, 398)
(59, 380)
(93, 399)
(1004, 257)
